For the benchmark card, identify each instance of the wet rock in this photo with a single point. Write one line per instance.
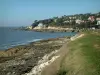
(21, 59)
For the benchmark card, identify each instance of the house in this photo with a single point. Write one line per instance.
(74, 17)
(70, 18)
(55, 20)
(78, 21)
(97, 26)
(91, 18)
(40, 26)
(98, 20)
(66, 21)
(29, 27)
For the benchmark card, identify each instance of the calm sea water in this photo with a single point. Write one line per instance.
(10, 37)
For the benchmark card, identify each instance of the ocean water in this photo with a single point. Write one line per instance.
(9, 37)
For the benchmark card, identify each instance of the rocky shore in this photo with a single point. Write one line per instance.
(51, 30)
(20, 60)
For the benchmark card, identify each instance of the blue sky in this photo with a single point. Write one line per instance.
(24, 12)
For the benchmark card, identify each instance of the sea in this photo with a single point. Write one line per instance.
(10, 37)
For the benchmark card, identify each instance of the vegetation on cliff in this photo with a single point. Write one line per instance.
(87, 20)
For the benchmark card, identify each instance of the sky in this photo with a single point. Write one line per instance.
(24, 12)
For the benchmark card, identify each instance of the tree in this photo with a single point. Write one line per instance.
(35, 21)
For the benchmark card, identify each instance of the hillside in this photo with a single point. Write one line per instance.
(78, 57)
(76, 21)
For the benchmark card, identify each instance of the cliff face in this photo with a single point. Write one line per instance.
(51, 29)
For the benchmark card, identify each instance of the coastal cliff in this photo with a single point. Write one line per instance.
(52, 29)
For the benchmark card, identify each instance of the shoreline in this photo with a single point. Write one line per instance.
(22, 44)
(18, 43)
(21, 59)
(35, 41)
(52, 30)
(45, 61)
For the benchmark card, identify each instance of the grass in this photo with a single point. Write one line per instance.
(83, 57)
(61, 72)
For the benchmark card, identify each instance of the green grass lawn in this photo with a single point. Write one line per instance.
(83, 57)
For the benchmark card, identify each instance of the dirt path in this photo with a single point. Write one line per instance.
(54, 66)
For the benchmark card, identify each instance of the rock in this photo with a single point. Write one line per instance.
(21, 59)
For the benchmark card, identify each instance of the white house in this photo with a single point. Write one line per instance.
(70, 17)
(55, 20)
(66, 21)
(40, 25)
(29, 27)
(98, 21)
(91, 18)
(78, 21)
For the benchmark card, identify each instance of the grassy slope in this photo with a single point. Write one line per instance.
(83, 57)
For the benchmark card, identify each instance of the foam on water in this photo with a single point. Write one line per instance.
(6, 46)
(10, 37)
